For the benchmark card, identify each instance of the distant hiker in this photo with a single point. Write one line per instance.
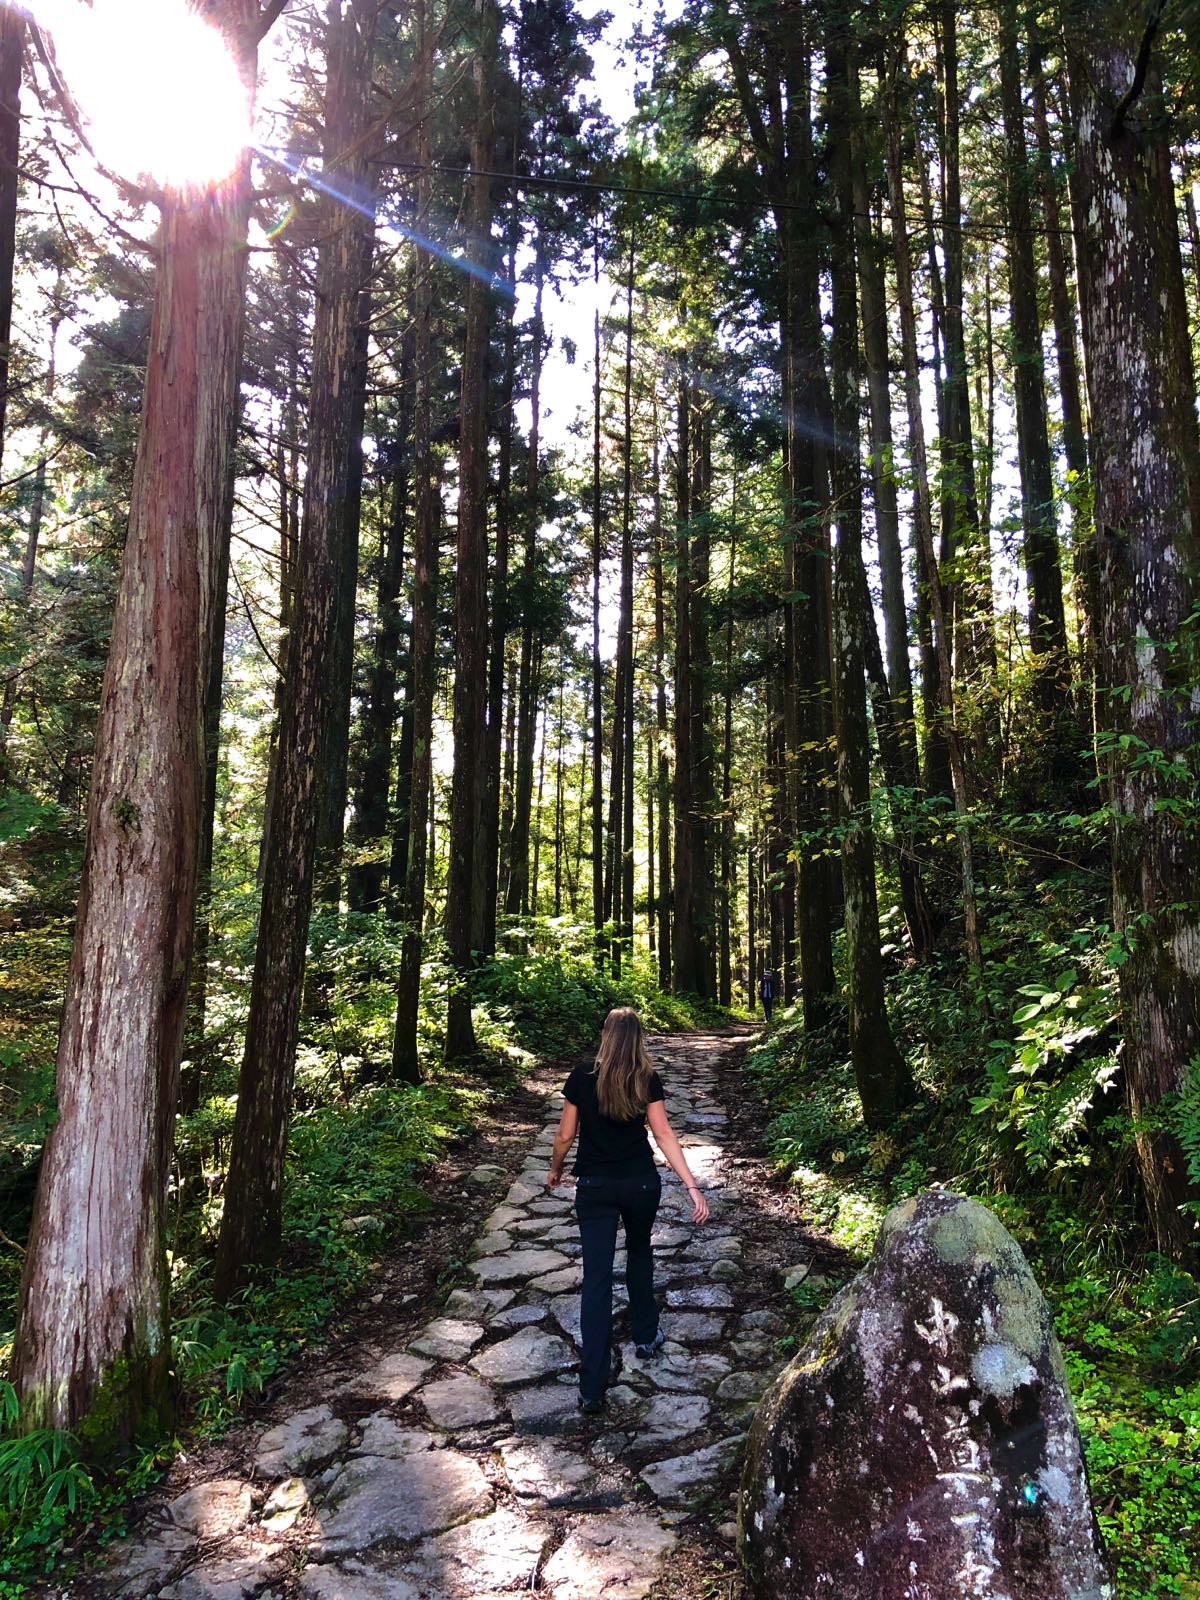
(608, 1105)
(766, 993)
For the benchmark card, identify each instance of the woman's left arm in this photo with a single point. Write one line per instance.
(568, 1127)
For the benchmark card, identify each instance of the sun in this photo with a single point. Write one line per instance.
(159, 91)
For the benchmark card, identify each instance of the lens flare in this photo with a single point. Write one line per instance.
(156, 85)
(279, 227)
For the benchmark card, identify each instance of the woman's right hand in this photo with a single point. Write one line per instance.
(699, 1205)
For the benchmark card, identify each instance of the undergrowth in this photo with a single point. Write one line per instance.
(1020, 1107)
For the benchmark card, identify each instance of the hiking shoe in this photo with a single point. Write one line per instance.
(651, 1349)
(591, 1408)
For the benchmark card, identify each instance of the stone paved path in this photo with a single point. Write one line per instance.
(458, 1466)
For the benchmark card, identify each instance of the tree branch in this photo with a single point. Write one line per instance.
(1141, 66)
(268, 17)
(760, 135)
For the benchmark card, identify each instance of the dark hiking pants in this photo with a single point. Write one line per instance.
(600, 1203)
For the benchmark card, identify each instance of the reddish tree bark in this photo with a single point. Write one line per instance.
(92, 1323)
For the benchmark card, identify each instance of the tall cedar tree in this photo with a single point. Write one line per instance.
(464, 918)
(597, 696)
(427, 521)
(970, 593)
(776, 114)
(366, 878)
(693, 953)
(893, 697)
(12, 57)
(882, 1075)
(1043, 570)
(1141, 390)
(93, 1305)
(938, 659)
(252, 1218)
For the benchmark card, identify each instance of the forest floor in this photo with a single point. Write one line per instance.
(433, 1449)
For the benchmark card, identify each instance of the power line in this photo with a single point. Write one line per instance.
(918, 221)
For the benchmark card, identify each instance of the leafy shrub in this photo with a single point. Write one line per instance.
(547, 985)
(1042, 1083)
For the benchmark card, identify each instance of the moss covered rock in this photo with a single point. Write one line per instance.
(923, 1445)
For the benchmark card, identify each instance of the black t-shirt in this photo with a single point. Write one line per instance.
(607, 1148)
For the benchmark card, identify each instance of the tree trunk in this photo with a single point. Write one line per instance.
(663, 769)
(498, 813)
(334, 760)
(12, 59)
(288, 455)
(783, 143)
(516, 899)
(1047, 620)
(807, 899)
(366, 882)
(559, 814)
(508, 777)
(406, 1067)
(922, 511)
(517, 896)
(887, 528)
(936, 779)
(625, 710)
(612, 853)
(702, 817)
(751, 930)
(463, 893)
(575, 881)
(1063, 310)
(537, 810)
(597, 664)
(883, 477)
(402, 796)
(251, 1223)
(724, 973)
(33, 535)
(191, 1085)
(1142, 404)
(1066, 318)
(974, 624)
(651, 889)
(92, 1330)
(774, 884)
(881, 1073)
(686, 973)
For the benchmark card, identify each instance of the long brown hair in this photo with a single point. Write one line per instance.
(622, 1067)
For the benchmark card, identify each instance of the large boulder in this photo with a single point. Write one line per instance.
(922, 1445)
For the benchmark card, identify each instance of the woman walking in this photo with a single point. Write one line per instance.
(766, 990)
(609, 1105)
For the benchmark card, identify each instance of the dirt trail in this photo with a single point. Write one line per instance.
(454, 1465)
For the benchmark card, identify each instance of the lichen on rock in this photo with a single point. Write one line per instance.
(923, 1442)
